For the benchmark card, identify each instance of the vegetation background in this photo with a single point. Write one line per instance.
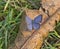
(11, 12)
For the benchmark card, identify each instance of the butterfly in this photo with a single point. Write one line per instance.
(34, 24)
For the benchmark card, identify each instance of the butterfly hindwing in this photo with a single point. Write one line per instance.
(29, 27)
(29, 23)
(36, 26)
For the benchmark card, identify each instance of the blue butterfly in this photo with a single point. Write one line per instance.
(34, 24)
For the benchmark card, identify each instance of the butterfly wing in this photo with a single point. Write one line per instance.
(29, 23)
(36, 26)
(36, 22)
(38, 19)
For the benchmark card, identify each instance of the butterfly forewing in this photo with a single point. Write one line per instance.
(38, 19)
(28, 20)
(29, 23)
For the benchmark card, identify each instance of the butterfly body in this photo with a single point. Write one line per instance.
(34, 24)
